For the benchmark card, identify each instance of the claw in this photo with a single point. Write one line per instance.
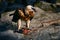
(24, 31)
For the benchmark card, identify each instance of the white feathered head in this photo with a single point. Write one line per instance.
(30, 7)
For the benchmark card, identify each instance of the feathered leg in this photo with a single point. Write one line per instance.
(27, 23)
(19, 24)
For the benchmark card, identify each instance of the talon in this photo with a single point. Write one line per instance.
(19, 31)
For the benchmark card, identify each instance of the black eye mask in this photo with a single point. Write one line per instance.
(34, 9)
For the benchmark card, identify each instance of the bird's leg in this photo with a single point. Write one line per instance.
(27, 23)
(19, 24)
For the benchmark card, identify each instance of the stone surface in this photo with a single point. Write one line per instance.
(51, 32)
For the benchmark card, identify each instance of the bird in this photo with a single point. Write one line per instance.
(25, 14)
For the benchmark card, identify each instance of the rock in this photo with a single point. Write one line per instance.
(51, 32)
